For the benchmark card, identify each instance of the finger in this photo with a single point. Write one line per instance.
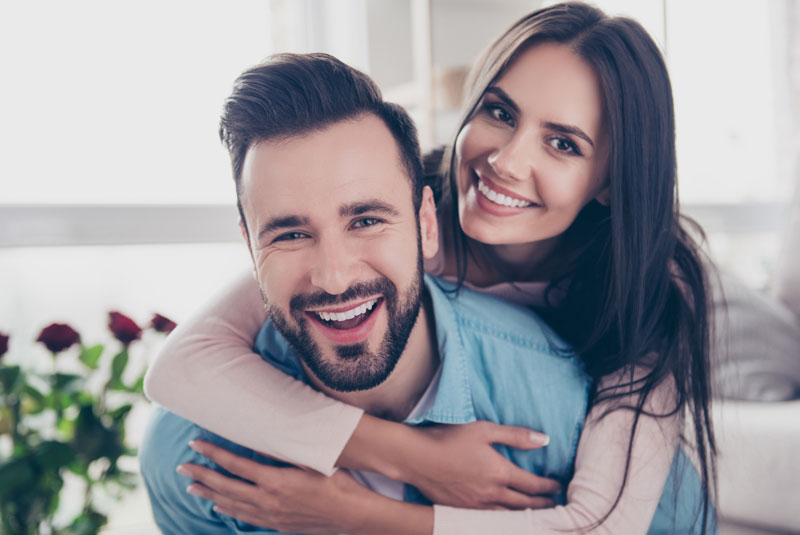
(517, 437)
(207, 493)
(218, 482)
(235, 464)
(511, 499)
(531, 484)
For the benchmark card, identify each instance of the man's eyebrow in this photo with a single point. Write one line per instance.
(370, 206)
(563, 128)
(278, 223)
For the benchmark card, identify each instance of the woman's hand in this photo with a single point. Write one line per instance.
(464, 470)
(453, 464)
(299, 501)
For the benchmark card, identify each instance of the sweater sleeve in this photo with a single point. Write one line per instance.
(207, 367)
(599, 469)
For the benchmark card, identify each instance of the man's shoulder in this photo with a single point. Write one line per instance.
(165, 446)
(488, 317)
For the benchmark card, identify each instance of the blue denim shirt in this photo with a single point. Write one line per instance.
(500, 363)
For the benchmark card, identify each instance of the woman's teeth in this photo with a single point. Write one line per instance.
(499, 198)
(347, 314)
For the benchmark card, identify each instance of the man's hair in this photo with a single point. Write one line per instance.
(295, 94)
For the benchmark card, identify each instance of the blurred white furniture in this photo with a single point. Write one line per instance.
(759, 442)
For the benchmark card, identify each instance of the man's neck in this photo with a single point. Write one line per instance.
(396, 397)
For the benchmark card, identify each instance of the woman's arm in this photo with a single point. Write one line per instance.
(208, 373)
(599, 470)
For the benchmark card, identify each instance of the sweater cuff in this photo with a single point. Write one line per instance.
(334, 438)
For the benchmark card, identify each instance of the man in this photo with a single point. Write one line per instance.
(337, 223)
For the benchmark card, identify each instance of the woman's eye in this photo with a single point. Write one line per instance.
(290, 236)
(499, 113)
(366, 222)
(564, 145)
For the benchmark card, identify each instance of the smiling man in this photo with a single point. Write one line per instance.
(337, 222)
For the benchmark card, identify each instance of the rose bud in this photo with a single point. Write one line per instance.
(3, 344)
(124, 329)
(58, 337)
(162, 324)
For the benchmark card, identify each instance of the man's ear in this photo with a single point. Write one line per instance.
(428, 224)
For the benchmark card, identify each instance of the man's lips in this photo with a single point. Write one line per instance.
(348, 330)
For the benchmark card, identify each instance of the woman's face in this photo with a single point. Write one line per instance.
(535, 151)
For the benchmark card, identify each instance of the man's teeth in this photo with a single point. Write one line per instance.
(347, 314)
(499, 198)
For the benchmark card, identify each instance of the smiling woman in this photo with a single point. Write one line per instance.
(536, 137)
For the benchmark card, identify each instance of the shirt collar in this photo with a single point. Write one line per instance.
(452, 396)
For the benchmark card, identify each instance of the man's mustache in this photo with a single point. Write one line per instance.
(300, 302)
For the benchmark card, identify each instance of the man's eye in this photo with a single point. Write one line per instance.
(290, 236)
(366, 222)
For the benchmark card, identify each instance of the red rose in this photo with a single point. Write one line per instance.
(58, 337)
(124, 329)
(162, 324)
(3, 344)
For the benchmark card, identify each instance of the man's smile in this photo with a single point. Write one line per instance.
(346, 325)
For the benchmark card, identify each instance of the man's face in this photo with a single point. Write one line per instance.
(337, 248)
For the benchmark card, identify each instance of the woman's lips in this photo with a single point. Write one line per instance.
(492, 207)
(499, 189)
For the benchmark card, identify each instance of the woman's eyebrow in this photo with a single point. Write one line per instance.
(569, 129)
(563, 128)
(502, 95)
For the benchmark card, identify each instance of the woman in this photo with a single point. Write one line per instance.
(560, 194)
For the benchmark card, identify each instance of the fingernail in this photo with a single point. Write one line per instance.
(540, 438)
(192, 489)
(182, 470)
(196, 446)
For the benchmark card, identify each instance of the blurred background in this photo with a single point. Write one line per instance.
(115, 193)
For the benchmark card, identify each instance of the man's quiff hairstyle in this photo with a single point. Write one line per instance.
(294, 94)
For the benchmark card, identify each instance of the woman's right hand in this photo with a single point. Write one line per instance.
(453, 465)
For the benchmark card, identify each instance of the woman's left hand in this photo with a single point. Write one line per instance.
(286, 499)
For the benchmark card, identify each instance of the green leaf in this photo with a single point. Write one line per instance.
(90, 356)
(15, 475)
(88, 523)
(119, 414)
(138, 386)
(9, 376)
(53, 455)
(33, 401)
(117, 369)
(68, 382)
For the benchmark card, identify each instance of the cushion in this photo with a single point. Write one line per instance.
(787, 277)
(755, 355)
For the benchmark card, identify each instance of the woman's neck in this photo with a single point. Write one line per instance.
(530, 262)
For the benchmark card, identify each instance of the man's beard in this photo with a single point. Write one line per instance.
(354, 367)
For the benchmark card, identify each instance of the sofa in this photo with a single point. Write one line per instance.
(757, 415)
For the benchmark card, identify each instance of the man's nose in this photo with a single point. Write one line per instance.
(336, 266)
(514, 160)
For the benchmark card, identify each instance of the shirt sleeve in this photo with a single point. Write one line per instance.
(599, 470)
(175, 511)
(208, 373)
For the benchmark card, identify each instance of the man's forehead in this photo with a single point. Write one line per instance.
(347, 150)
